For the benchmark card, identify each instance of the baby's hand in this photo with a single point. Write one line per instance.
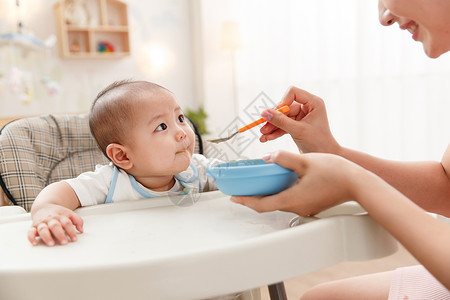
(54, 222)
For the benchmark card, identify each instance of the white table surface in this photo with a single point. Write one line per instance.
(153, 249)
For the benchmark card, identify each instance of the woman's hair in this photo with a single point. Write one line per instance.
(112, 112)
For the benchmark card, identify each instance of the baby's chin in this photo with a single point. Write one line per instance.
(185, 161)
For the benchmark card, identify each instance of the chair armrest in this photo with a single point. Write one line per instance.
(11, 210)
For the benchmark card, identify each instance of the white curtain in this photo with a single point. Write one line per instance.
(384, 96)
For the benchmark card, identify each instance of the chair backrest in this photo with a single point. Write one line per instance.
(37, 151)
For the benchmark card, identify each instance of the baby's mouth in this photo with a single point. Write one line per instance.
(185, 146)
(184, 153)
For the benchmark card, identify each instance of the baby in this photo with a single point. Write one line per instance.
(140, 127)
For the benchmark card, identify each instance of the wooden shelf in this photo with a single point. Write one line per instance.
(106, 34)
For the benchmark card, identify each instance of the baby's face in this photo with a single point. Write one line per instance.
(161, 141)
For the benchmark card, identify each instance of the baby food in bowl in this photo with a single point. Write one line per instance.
(251, 177)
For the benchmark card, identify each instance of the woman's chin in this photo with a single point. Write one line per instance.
(433, 52)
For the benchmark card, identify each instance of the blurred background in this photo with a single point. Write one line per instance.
(227, 60)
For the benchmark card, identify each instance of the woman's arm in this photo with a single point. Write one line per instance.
(425, 237)
(426, 183)
(327, 180)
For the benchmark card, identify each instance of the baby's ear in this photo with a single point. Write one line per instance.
(118, 154)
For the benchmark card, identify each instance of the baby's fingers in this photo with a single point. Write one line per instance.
(69, 228)
(77, 221)
(58, 231)
(44, 232)
(32, 236)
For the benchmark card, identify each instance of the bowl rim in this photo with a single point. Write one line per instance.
(252, 170)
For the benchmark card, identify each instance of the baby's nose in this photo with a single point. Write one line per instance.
(180, 135)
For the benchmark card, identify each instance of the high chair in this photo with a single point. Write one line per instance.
(37, 151)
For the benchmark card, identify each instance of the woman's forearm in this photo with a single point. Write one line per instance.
(425, 237)
(425, 183)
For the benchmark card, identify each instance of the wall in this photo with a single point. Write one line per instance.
(384, 71)
(224, 117)
(158, 29)
(384, 96)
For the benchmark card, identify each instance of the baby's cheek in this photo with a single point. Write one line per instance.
(192, 145)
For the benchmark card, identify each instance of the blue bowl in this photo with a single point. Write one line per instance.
(251, 177)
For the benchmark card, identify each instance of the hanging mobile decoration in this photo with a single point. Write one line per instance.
(22, 45)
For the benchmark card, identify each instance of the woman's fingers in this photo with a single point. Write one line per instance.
(272, 136)
(306, 116)
(296, 94)
(283, 199)
(288, 160)
(258, 203)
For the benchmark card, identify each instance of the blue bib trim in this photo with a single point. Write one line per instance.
(191, 179)
(112, 188)
(184, 182)
(139, 189)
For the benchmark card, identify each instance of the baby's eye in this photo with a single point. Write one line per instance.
(181, 118)
(161, 127)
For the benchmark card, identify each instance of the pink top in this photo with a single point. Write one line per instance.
(415, 282)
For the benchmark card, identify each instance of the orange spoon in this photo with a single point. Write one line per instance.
(283, 109)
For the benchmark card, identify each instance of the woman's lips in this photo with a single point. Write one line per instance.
(412, 27)
(414, 31)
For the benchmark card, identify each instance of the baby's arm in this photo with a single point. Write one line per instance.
(53, 216)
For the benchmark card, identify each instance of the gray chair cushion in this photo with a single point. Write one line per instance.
(35, 152)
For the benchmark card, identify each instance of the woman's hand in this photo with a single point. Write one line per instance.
(324, 180)
(54, 222)
(306, 122)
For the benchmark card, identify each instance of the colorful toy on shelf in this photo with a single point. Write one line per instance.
(105, 47)
(75, 47)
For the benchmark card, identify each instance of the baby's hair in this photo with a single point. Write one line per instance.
(112, 112)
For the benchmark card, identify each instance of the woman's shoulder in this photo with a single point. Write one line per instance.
(446, 161)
